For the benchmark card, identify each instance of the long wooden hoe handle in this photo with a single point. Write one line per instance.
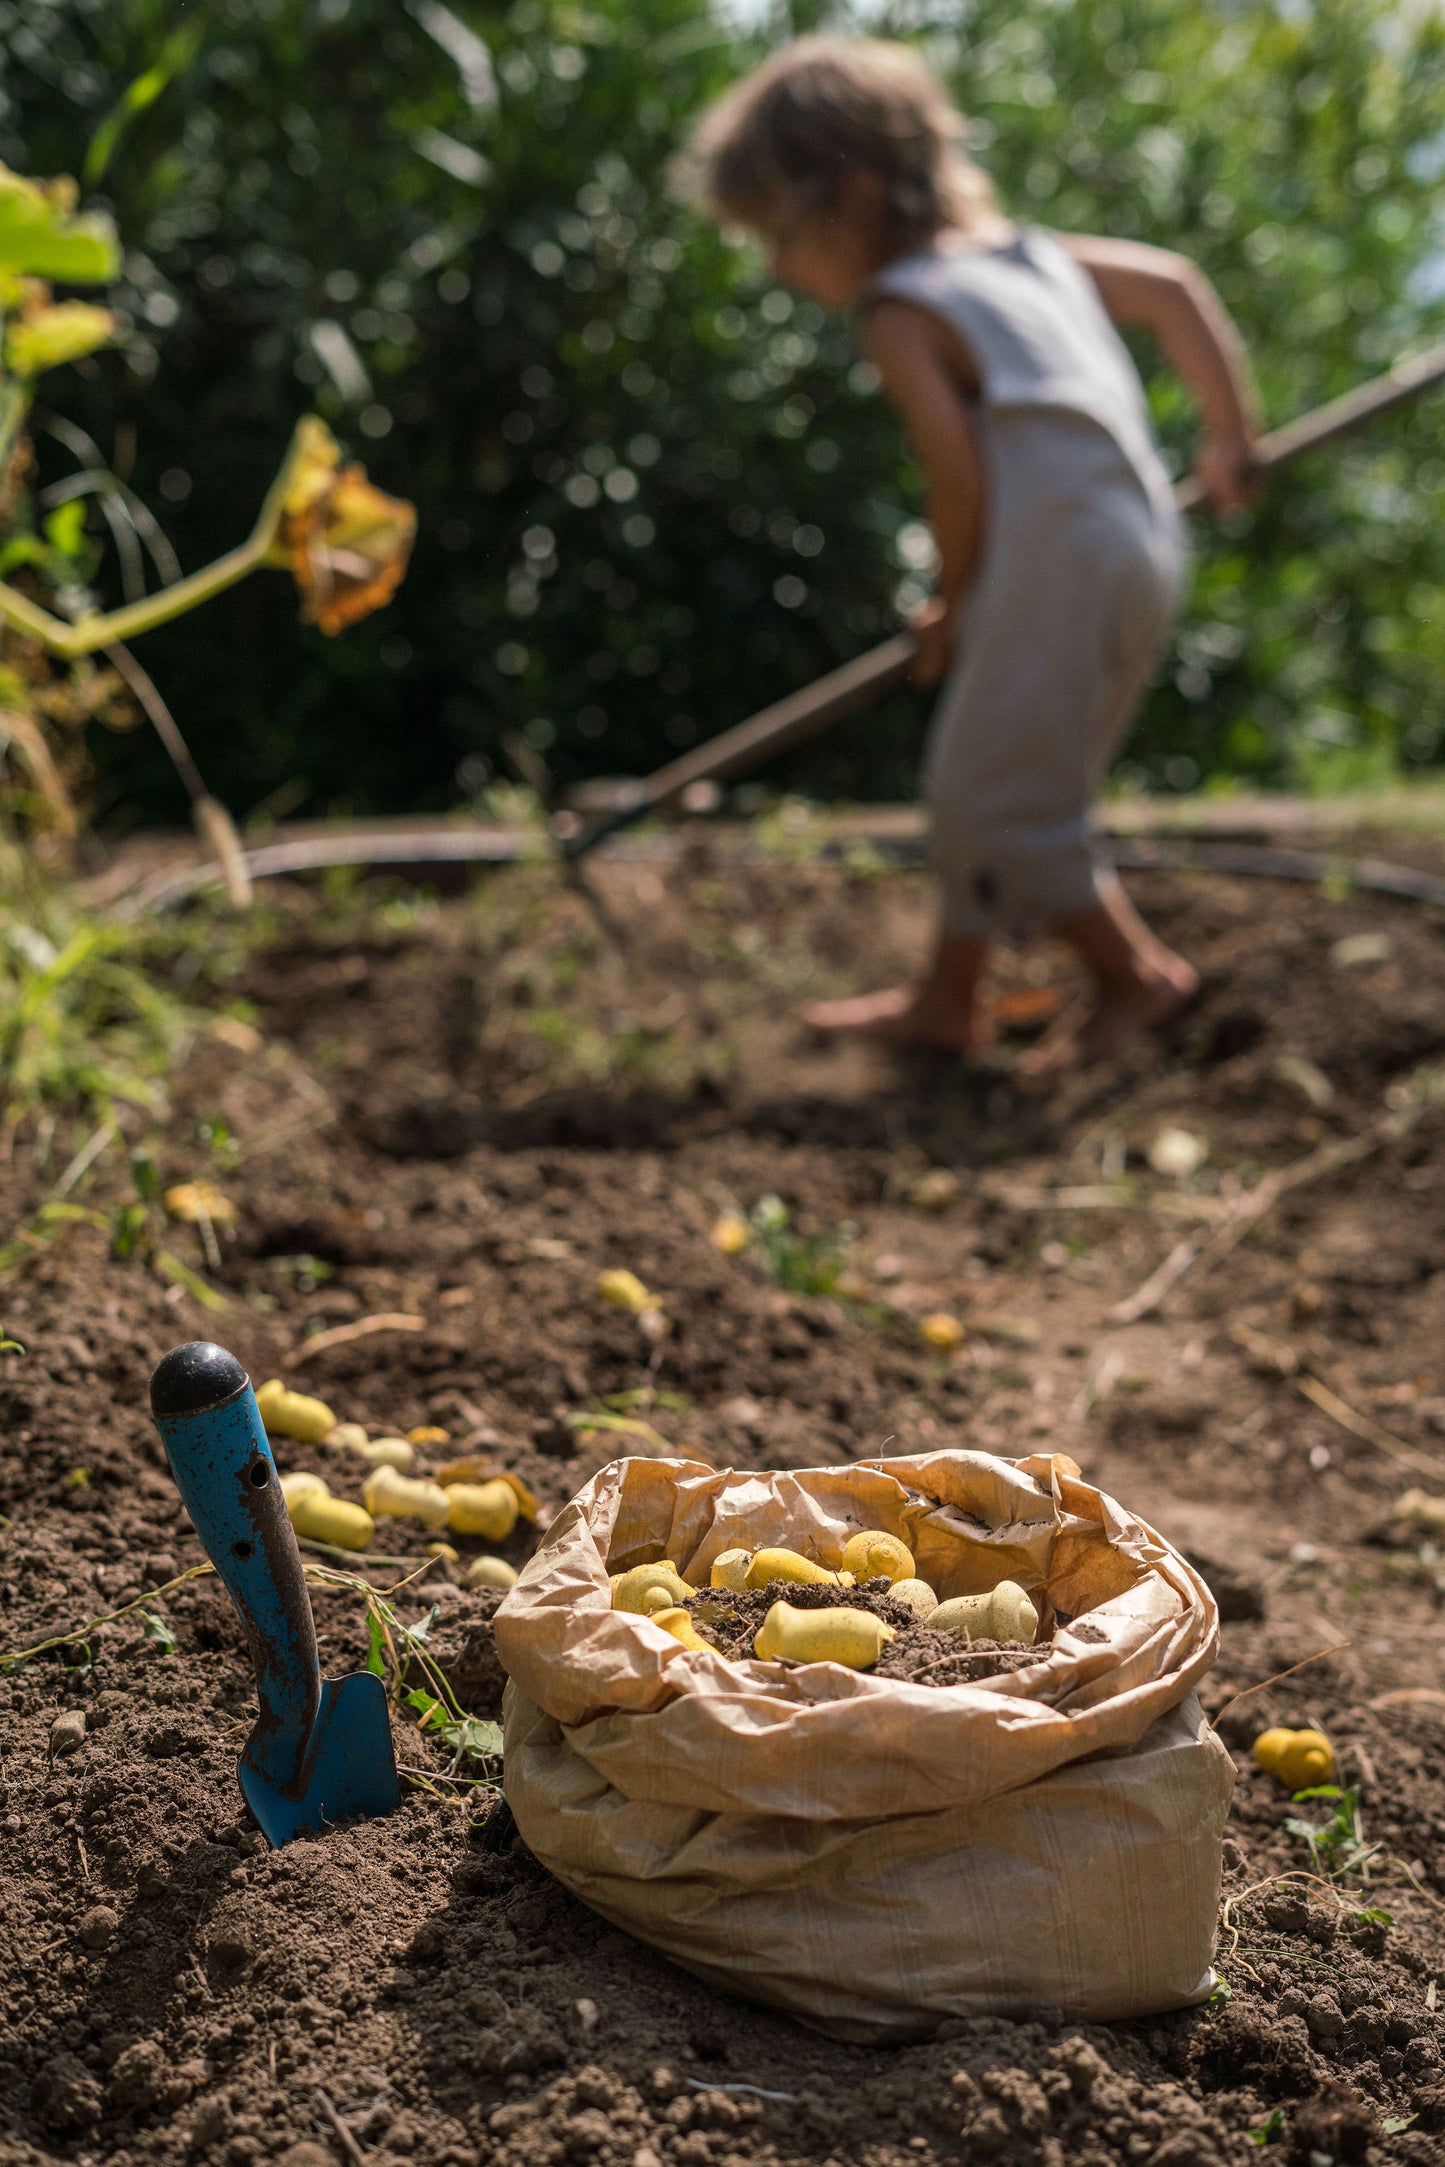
(804, 714)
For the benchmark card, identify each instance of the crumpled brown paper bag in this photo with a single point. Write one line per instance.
(871, 1855)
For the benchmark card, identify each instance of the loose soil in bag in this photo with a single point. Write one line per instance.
(465, 1112)
(732, 1622)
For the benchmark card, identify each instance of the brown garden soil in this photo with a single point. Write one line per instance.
(462, 1111)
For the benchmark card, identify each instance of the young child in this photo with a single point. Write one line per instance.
(1060, 555)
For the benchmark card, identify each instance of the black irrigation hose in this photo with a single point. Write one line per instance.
(1259, 861)
(516, 846)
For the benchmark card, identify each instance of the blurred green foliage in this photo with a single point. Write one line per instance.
(655, 491)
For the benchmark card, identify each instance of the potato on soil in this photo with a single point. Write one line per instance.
(650, 1588)
(853, 1637)
(770, 1565)
(1297, 1759)
(391, 1496)
(874, 1555)
(294, 1414)
(1006, 1614)
(488, 1509)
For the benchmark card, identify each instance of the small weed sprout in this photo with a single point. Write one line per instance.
(1337, 1845)
(799, 1263)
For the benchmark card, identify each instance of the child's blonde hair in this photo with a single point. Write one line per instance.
(790, 133)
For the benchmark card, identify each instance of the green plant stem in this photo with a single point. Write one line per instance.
(84, 637)
(14, 406)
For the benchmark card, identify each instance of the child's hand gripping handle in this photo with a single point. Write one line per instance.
(206, 1413)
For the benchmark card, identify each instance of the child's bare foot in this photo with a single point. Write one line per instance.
(1125, 1009)
(923, 1015)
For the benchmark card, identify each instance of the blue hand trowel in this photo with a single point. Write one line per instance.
(321, 1750)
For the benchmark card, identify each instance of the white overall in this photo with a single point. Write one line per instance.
(1076, 591)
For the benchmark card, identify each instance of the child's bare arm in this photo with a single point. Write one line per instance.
(903, 344)
(1171, 298)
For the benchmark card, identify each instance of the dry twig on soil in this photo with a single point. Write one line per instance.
(341, 1335)
(1304, 1663)
(1409, 1103)
(1358, 1425)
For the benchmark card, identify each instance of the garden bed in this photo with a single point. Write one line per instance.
(462, 1113)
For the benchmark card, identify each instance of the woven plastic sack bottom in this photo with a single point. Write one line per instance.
(874, 1856)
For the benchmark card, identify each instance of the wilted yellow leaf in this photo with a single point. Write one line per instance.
(346, 541)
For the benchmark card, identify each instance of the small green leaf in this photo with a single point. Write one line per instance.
(143, 1174)
(423, 1626)
(375, 1645)
(482, 1740)
(1394, 2123)
(22, 549)
(157, 1631)
(65, 528)
(40, 238)
(1221, 1994)
(1269, 2129)
(195, 1286)
(127, 1230)
(175, 56)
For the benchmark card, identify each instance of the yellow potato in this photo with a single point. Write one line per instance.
(730, 1569)
(933, 1191)
(1417, 1508)
(676, 1621)
(346, 1437)
(491, 1573)
(853, 1637)
(300, 1484)
(376, 1451)
(942, 1330)
(730, 1234)
(876, 1556)
(332, 1519)
(918, 1595)
(391, 1496)
(648, 1588)
(293, 1414)
(1006, 1614)
(488, 1509)
(1297, 1759)
(771, 1565)
(193, 1201)
(624, 1290)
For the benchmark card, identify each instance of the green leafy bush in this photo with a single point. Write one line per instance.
(655, 492)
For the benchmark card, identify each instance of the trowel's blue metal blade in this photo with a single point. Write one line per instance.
(349, 1768)
(317, 1753)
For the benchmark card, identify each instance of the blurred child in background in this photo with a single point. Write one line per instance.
(1061, 560)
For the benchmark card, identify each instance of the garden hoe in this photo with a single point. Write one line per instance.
(321, 1750)
(803, 714)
